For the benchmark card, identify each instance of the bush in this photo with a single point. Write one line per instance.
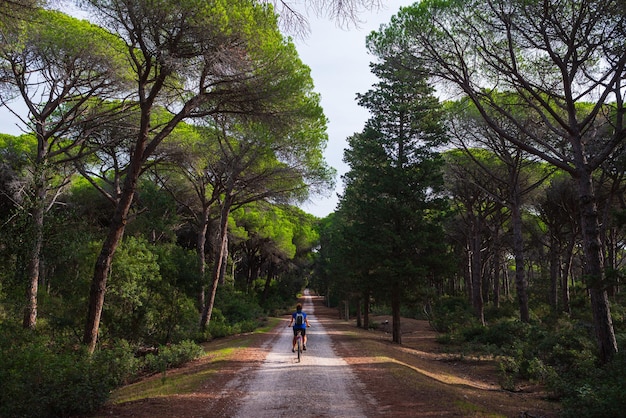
(119, 361)
(37, 381)
(602, 394)
(236, 306)
(451, 313)
(173, 356)
(41, 379)
(506, 334)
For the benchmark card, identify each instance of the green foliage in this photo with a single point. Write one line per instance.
(120, 362)
(161, 219)
(38, 379)
(600, 394)
(505, 334)
(237, 306)
(235, 313)
(171, 356)
(150, 298)
(451, 313)
(561, 355)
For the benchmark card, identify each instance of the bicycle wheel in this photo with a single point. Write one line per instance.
(299, 347)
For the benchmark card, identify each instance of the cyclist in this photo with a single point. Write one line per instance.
(300, 323)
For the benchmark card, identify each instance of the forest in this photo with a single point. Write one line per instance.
(152, 201)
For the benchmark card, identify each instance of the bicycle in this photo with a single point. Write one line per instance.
(299, 344)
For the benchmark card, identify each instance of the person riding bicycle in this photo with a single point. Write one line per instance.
(300, 323)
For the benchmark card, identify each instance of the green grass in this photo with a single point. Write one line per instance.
(178, 381)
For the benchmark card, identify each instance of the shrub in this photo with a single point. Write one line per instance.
(119, 362)
(451, 313)
(173, 356)
(37, 381)
(601, 394)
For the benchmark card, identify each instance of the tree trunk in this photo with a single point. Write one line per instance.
(593, 270)
(217, 269)
(359, 320)
(268, 283)
(201, 256)
(555, 263)
(30, 311)
(497, 267)
(366, 310)
(565, 275)
(476, 276)
(103, 263)
(521, 284)
(395, 314)
(37, 213)
(224, 262)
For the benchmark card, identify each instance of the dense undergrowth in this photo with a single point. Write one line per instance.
(47, 372)
(557, 351)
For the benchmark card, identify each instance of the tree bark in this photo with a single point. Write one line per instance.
(30, 311)
(476, 276)
(555, 269)
(521, 284)
(395, 314)
(593, 270)
(201, 255)
(565, 275)
(366, 310)
(268, 282)
(103, 263)
(217, 269)
(37, 213)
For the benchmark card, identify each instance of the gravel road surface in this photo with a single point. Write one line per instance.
(321, 385)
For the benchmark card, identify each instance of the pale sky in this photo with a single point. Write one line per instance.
(339, 65)
(340, 69)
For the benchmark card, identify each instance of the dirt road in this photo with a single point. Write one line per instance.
(321, 385)
(359, 373)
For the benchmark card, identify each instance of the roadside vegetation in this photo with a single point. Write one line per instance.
(150, 204)
(498, 213)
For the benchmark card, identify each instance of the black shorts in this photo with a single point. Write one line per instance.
(295, 331)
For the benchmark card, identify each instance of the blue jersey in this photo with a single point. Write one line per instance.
(294, 316)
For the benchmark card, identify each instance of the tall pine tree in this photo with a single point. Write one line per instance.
(391, 194)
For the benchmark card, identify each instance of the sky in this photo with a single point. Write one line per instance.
(339, 65)
(340, 69)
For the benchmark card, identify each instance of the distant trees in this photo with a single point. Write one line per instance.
(102, 102)
(506, 174)
(549, 58)
(194, 62)
(541, 98)
(234, 163)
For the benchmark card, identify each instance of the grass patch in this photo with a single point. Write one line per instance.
(163, 386)
(179, 381)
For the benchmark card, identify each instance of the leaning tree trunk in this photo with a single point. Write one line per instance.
(593, 270)
(103, 263)
(217, 269)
